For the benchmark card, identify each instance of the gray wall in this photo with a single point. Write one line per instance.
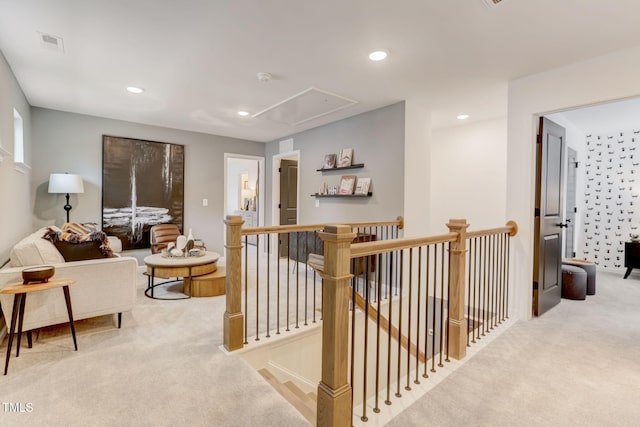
(377, 139)
(14, 185)
(68, 142)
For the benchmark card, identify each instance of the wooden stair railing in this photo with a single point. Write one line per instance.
(334, 390)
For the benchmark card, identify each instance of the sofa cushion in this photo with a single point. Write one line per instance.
(34, 250)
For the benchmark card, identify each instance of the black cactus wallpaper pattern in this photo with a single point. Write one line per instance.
(612, 195)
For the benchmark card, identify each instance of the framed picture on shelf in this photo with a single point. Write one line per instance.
(329, 161)
(346, 157)
(362, 186)
(347, 183)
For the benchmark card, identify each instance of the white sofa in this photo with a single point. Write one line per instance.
(103, 286)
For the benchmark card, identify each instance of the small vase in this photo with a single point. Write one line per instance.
(190, 241)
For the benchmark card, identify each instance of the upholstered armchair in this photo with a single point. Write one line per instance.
(161, 235)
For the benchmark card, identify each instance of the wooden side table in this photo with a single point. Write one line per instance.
(20, 292)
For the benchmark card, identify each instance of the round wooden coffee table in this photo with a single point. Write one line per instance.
(183, 267)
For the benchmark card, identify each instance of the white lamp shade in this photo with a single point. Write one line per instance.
(65, 183)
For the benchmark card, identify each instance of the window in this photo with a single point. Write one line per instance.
(18, 142)
(18, 138)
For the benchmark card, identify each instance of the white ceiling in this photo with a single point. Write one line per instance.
(603, 118)
(198, 59)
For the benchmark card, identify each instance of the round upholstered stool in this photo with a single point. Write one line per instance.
(587, 266)
(574, 282)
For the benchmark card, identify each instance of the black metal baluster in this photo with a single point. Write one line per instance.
(446, 344)
(492, 279)
(353, 332)
(306, 285)
(401, 268)
(441, 303)
(389, 335)
(416, 380)
(277, 254)
(376, 408)
(315, 250)
(366, 347)
(468, 298)
(485, 257)
(503, 238)
(408, 386)
(257, 288)
(288, 277)
(499, 282)
(473, 290)
(246, 287)
(268, 236)
(435, 301)
(426, 315)
(297, 267)
(508, 265)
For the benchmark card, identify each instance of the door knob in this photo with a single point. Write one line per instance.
(562, 225)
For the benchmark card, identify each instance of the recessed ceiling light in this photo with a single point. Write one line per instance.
(243, 113)
(378, 55)
(462, 117)
(134, 89)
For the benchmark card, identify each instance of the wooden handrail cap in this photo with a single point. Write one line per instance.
(458, 223)
(233, 219)
(514, 227)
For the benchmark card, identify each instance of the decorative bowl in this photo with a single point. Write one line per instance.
(39, 274)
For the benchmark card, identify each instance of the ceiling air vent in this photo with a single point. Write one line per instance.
(51, 42)
(492, 3)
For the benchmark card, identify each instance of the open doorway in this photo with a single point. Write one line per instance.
(244, 189)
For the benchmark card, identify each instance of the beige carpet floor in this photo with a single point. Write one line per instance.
(577, 365)
(163, 368)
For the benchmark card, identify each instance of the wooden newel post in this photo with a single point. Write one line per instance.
(233, 316)
(334, 391)
(457, 265)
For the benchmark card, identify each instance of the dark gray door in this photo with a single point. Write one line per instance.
(570, 210)
(547, 273)
(288, 198)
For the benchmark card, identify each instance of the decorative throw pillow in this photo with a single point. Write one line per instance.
(79, 242)
(79, 251)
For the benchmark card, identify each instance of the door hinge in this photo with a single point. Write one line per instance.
(573, 254)
(535, 285)
(536, 212)
(539, 139)
(576, 165)
(279, 169)
(279, 206)
(575, 209)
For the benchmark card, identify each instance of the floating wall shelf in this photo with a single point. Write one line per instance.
(356, 166)
(369, 194)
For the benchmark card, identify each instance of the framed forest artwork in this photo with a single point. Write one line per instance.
(142, 185)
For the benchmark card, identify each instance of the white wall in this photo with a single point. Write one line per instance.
(606, 78)
(417, 159)
(15, 189)
(468, 174)
(67, 142)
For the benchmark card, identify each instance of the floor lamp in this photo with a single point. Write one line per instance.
(65, 183)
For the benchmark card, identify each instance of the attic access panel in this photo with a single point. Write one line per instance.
(304, 106)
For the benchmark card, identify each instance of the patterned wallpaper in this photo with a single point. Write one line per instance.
(612, 196)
